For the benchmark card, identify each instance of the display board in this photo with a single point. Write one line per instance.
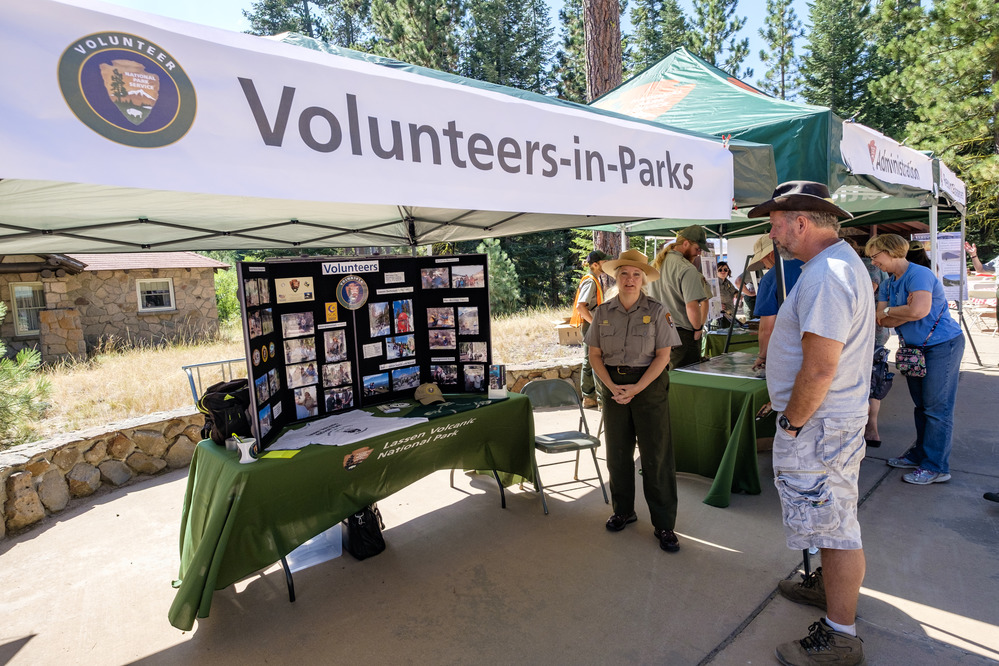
(325, 335)
(950, 264)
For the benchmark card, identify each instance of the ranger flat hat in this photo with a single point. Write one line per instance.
(631, 258)
(428, 393)
(800, 195)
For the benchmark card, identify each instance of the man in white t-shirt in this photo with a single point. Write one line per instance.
(824, 339)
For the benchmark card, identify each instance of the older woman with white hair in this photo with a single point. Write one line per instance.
(629, 346)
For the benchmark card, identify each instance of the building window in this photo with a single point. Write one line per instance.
(29, 300)
(155, 295)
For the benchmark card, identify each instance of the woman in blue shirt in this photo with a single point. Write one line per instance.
(912, 302)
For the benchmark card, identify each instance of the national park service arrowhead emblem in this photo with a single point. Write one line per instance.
(872, 148)
(127, 89)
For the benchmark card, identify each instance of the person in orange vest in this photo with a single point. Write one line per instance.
(589, 295)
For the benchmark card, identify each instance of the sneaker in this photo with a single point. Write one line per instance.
(902, 463)
(992, 497)
(668, 540)
(809, 590)
(617, 522)
(823, 645)
(924, 477)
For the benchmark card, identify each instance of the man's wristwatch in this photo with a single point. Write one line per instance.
(885, 311)
(786, 425)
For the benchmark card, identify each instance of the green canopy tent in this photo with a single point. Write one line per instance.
(135, 132)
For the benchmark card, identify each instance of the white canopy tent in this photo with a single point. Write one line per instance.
(124, 131)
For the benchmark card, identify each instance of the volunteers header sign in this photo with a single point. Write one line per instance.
(110, 96)
(874, 154)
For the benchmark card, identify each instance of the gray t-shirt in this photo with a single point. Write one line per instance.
(834, 299)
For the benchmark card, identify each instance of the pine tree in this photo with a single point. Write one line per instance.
(660, 27)
(884, 106)
(781, 29)
(509, 42)
(22, 392)
(835, 70)
(570, 58)
(713, 34)
(272, 17)
(504, 292)
(545, 265)
(953, 81)
(421, 32)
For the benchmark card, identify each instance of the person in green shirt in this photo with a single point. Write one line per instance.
(681, 289)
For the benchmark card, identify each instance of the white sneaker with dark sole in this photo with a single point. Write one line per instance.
(924, 477)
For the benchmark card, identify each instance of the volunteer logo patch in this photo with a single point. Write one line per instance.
(127, 89)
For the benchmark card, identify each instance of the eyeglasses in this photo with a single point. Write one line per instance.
(723, 270)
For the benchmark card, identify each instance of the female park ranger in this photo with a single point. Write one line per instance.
(629, 345)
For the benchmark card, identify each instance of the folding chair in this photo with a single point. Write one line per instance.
(554, 393)
(981, 307)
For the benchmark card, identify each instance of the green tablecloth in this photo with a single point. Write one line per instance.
(714, 343)
(239, 518)
(712, 420)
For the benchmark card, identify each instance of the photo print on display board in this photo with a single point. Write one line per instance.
(297, 324)
(263, 390)
(403, 313)
(253, 324)
(403, 346)
(250, 292)
(273, 381)
(444, 374)
(440, 317)
(475, 377)
(299, 350)
(442, 339)
(404, 379)
(336, 374)
(263, 291)
(267, 321)
(301, 374)
(265, 420)
(468, 321)
(435, 278)
(335, 343)
(379, 319)
(339, 398)
(472, 351)
(376, 384)
(294, 290)
(306, 404)
(468, 277)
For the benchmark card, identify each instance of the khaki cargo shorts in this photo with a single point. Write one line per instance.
(816, 477)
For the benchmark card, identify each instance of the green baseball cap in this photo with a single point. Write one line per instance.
(695, 234)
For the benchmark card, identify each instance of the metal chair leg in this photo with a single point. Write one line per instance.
(288, 579)
(600, 478)
(539, 487)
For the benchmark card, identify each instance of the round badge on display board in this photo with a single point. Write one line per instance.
(352, 292)
(263, 353)
(256, 357)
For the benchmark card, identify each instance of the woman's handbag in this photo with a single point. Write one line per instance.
(363, 537)
(911, 361)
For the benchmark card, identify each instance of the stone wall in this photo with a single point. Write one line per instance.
(44, 478)
(518, 375)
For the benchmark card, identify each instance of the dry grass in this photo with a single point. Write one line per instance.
(116, 384)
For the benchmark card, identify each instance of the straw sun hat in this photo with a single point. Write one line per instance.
(631, 258)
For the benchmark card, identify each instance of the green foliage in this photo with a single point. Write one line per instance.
(421, 32)
(835, 69)
(660, 28)
(22, 393)
(580, 245)
(781, 29)
(570, 58)
(545, 266)
(509, 42)
(885, 106)
(951, 77)
(504, 293)
(713, 34)
(341, 22)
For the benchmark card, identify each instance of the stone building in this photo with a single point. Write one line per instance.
(65, 304)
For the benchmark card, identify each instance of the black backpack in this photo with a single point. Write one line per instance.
(224, 406)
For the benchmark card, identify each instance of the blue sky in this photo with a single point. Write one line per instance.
(228, 14)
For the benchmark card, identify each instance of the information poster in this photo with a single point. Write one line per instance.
(949, 263)
(326, 335)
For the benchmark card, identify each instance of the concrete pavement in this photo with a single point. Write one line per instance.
(463, 581)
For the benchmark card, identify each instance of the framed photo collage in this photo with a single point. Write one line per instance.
(326, 335)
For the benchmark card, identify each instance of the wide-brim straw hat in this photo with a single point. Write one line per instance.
(761, 248)
(631, 258)
(800, 195)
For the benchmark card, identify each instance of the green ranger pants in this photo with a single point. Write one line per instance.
(645, 418)
(588, 381)
(688, 352)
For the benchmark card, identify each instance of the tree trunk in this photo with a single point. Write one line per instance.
(601, 22)
(608, 241)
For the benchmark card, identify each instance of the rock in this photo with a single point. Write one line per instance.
(67, 457)
(180, 453)
(83, 480)
(150, 442)
(193, 432)
(22, 507)
(38, 467)
(173, 428)
(96, 453)
(121, 447)
(551, 373)
(53, 491)
(115, 472)
(519, 384)
(144, 463)
(564, 372)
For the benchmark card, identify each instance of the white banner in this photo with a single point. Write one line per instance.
(951, 185)
(874, 154)
(99, 94)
